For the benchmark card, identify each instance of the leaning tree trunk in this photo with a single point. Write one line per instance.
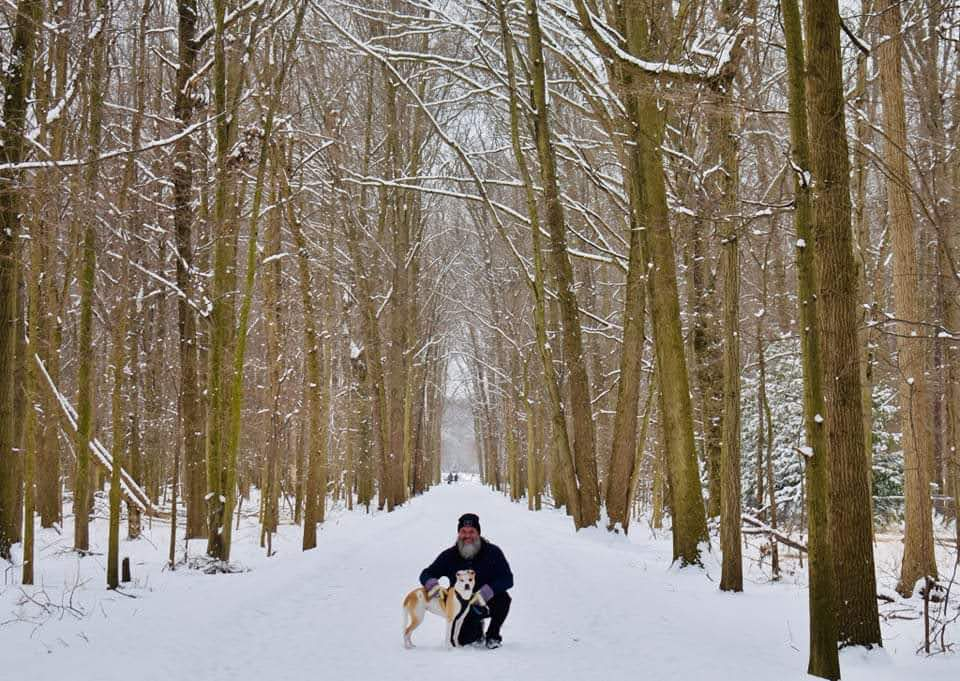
(558, 421)
(584, 440)
(686, 500)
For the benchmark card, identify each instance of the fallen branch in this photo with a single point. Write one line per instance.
(775, 534)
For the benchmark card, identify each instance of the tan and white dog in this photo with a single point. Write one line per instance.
(452, 604)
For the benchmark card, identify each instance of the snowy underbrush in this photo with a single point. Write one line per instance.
(70, 590)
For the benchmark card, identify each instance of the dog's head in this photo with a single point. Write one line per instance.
(465, 584)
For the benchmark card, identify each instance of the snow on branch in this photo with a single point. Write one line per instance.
(77, 163)
(209, 31)
(774, 534)
(453, 145)
(131, 491)
(608, 43)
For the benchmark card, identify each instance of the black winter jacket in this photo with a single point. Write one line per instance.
(489, 564)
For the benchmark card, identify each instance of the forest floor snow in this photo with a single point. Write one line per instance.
(586, 605)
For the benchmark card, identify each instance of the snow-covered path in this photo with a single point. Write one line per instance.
(586, 606)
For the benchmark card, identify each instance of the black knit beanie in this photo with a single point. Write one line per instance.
(469, 520)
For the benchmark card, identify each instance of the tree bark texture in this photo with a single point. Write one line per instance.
(850, 520)
(913, 386)
(823, 659)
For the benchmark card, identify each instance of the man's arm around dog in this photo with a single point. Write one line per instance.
(490, 565)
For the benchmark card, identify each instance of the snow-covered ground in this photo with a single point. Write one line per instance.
(586, 606)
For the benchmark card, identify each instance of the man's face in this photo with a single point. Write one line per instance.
(468, 535)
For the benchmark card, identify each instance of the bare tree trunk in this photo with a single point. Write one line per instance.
(315, 381)
(622, 468)
(862, 234)
(87, 360)
(765, 424)
(31, 440)
(584, 439)
(190, 407)
(823, 659)
(118, 416)
(48, 481)
(722, 125)
(272, 294)
(566, 471)
(647, 119)
(949, 253)
(709, 368)
(917, 437)
(850, 520)
(17, 86)
(223, 288)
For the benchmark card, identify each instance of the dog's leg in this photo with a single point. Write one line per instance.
(450, 641)
(457, 626)
(414, 609)
(408, 630)
(451, 633)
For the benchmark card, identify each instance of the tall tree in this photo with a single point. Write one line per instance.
(850, 520)
(584, 437)
(724, 136)
(562, 446)
(190, 408)
(622, 467)
(915, 411)
(649, 38)
(950, 256)
(823, 659)
(17, 83)
(97, 86)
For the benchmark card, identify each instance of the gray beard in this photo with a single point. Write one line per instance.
(468, 551)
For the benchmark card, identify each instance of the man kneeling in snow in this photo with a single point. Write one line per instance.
(473, 552)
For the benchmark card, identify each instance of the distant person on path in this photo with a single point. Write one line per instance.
(473, 552)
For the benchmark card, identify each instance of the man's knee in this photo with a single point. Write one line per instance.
(502, 597)
(500, 603)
